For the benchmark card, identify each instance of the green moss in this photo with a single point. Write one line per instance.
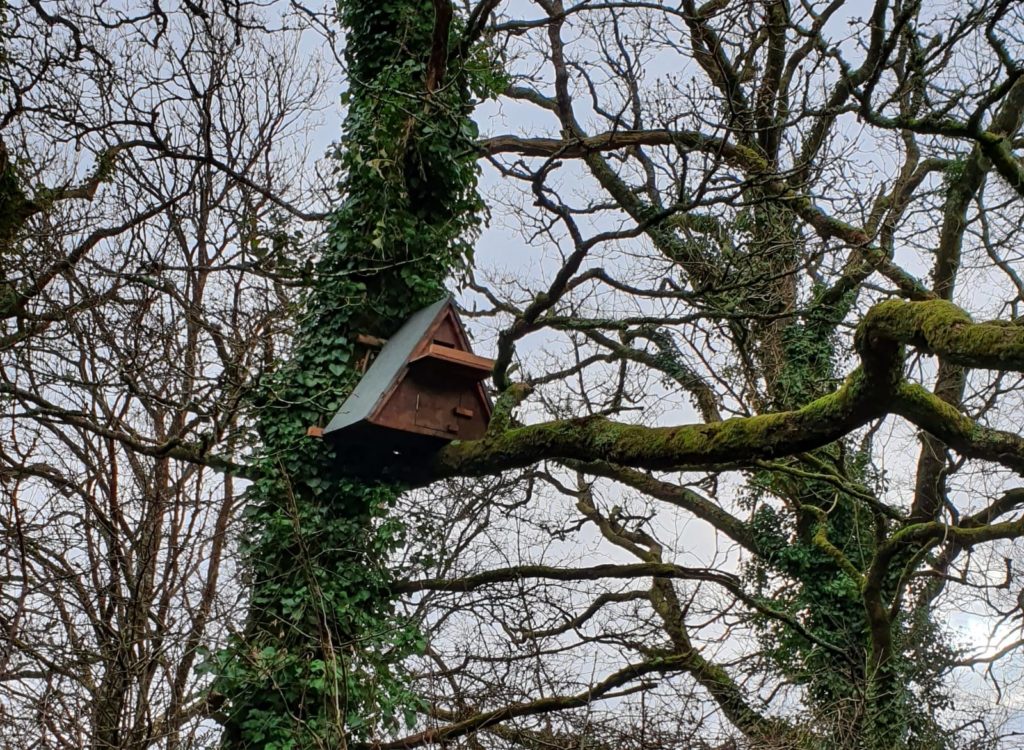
(940, 327)
(737, 440)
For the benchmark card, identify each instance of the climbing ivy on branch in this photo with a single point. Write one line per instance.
(318, 662)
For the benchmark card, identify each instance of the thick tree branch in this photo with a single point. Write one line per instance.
(874, 390)
(574, 148)
(553, 573)
(437, 65)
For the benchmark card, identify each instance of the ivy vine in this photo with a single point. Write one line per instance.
(797, 576)
(319, 661)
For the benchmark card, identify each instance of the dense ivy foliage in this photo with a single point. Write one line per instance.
(317, 665)
(12, 198)
(799, 569)
(811, 549)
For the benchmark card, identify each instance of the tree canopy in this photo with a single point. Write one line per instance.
(749, 271)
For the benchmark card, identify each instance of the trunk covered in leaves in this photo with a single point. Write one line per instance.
(317, 663)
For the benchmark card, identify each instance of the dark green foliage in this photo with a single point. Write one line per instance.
(318, 663)
(12, 218)
(809, 346)
(12, 200)
(825, 598)
(797, 575)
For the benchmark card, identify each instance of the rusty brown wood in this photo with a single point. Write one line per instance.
(371, 341)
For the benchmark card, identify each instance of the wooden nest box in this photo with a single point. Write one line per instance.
(423, 389)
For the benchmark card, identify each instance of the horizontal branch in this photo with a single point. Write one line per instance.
(874, 390)
(552, 573)
(937, 417)
(627, 571)
(575, 148)
(938, 327)
(748, 161)
(175, 448)
(693, 446)
(543, 705)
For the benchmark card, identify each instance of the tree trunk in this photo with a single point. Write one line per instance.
(318, 664)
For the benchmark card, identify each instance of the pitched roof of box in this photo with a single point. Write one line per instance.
(388, 365)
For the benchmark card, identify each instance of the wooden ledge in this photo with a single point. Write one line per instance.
(465, 363)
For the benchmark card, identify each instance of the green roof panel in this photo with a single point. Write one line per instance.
(386, 368)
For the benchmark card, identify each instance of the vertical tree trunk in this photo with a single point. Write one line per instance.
(885, 720)
(318, 663)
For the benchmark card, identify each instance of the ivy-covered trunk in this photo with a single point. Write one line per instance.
(825, 541)
(318, 662)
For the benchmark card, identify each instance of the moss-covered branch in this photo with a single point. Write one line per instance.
(960, 432)
(730, 442)
(941, 328)
(872, 391)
